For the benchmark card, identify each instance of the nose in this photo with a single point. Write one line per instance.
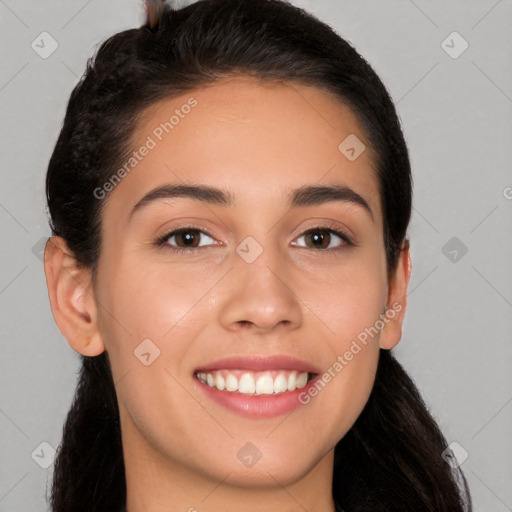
(259, 296)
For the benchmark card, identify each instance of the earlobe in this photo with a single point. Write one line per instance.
(391, 333)
(71, 298)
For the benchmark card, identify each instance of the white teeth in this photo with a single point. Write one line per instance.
(292, 381)
(259, 383)
(280, 384)
(265, 385)
(246, 384)
(302, 379)
(220, 383)
(231, 383)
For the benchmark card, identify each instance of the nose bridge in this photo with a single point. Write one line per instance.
(260, 292)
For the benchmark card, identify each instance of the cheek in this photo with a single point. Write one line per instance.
(152, 301)
(155, 315)
(348, 302)
(346, 296)
(152, 320)
(350, 348)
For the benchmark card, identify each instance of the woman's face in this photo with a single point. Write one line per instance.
(257, 289)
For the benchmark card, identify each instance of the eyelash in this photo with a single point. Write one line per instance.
(162, 240)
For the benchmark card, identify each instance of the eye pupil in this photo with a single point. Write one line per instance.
(324, 235)
(186, 235)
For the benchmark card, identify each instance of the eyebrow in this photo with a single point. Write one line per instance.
(306, 195)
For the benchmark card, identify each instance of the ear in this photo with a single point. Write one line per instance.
(391, 333)
(71, 298)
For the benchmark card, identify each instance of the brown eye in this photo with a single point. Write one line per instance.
(188, 237)
(322, 238)
(319, 238)
(183, 239)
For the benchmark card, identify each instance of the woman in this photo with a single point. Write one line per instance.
(229, 200)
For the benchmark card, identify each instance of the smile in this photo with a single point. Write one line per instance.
(256, 386)
(248, 382)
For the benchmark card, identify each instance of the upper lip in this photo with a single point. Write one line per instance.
(259, 363)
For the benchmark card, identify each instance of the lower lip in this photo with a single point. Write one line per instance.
(256, 406)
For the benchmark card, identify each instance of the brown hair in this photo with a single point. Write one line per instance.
(391, 459)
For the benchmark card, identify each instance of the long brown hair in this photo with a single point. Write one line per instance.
(391, 459)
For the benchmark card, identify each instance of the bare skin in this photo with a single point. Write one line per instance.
(259, 142)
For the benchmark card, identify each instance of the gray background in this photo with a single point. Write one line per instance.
(456, 115)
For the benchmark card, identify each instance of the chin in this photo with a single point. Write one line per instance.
(283, 466)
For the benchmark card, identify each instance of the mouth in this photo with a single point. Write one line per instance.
(254, 386)
(247, 382)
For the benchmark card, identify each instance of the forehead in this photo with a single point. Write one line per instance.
(256, 138)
